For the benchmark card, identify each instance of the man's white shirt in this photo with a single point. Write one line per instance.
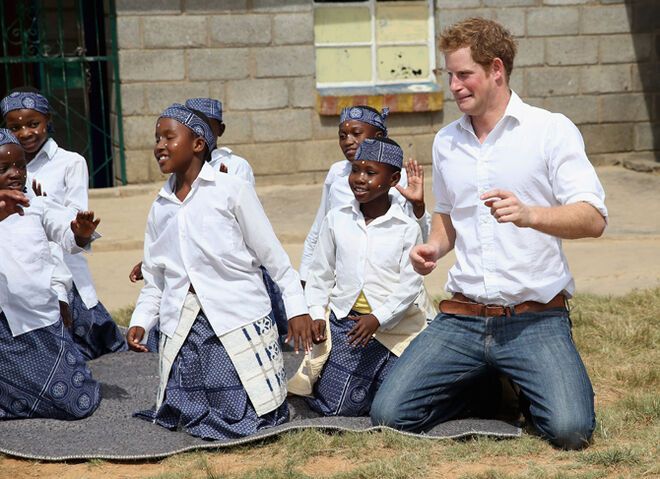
(351, 257)
(540, 157)
(215, 239)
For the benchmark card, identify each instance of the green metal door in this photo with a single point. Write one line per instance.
(68, 50)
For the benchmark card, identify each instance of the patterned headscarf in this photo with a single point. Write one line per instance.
(365, 115)
(29, 100)
(7, 138)
(380, 151)
(210, 107)
(187, 117)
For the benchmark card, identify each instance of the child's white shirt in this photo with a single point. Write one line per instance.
(63, 175)
(337, 192)
(30, 282)
(351, 257)
(235, 164)
(215, 239)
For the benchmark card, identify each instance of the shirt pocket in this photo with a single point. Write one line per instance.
(386, 249)
(221, 233)
(29, 231)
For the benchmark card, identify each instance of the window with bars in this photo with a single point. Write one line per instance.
(371, 43)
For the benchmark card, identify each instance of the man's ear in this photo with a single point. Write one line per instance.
(396, 177)
(497, 69)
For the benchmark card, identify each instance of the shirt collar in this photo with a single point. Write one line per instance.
(207, 173)
(49, 148)
(514, 109)
(395, 211)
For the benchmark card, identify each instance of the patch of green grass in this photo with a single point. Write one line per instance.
(611, 457)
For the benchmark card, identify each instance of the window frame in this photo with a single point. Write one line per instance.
(375, 81)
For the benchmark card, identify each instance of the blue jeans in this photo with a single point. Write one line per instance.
(535, 350)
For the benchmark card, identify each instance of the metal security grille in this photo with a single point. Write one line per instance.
(68, 50)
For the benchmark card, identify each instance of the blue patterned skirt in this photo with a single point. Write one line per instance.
(204, 395)
(278, 312)
(42, 374)
(94, 331)
(351, 376)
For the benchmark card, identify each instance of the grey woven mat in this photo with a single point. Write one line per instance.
(129, 381)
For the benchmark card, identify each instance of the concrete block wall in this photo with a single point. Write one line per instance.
(578, 57)
(596, 61)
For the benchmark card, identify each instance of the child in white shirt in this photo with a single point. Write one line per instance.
(63, 176)
(42, 372)
(362, 272)
(222, 373)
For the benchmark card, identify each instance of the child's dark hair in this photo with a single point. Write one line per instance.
(207, 152)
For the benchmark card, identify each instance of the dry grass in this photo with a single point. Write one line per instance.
(618, 338)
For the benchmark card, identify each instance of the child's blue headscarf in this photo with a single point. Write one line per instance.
(7, 138)
(210, 107)
(380, 151)
(28, 100)
(187, 117)
(365, 115)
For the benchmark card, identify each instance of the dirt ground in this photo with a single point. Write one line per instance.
(625, 258)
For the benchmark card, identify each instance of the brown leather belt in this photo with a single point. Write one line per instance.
(464, 306)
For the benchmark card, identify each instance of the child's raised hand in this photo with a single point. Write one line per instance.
(84, 226)
(12, 202)
(300, 331)
(136, 273)
(414, 191)
(36, 187)
(318, 331)
(133, 338)
(365, 327)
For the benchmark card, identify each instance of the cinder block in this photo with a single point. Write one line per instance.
(571, 51)
(625, 48)
(401, 124)
(600, 19)
(281, 6)
(240, 29)
(605, 78)
(531, 52)
(645, 14)
(579, 108)
(645, 77)
(565, 2)
(510, 3)
(214, 6)
(441, 4)
(175, 32)
(420, 148)
(512, 18)
(271, 158)
(151, 65)
(447, 18)
(285, 61)
(128, 32)
(326, 128)
(293, 28)
(553, 21)
(262, 94)
(517, 82)
(157, 7)
(161, 95)
(647, 136)
(302, 92)
(282, 125)
(218, 63)
(217, 90)
(137, 165)
(139, 132)
(625, 107)
(317, 155)
(608, 138)
(132, 99)
(449, 113)
(552, 81)
(238, 128)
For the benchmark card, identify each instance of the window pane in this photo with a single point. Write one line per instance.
(402, 22)
(351, 64)
(403, 63)
(342, 25)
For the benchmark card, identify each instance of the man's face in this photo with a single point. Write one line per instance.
(469, 82)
